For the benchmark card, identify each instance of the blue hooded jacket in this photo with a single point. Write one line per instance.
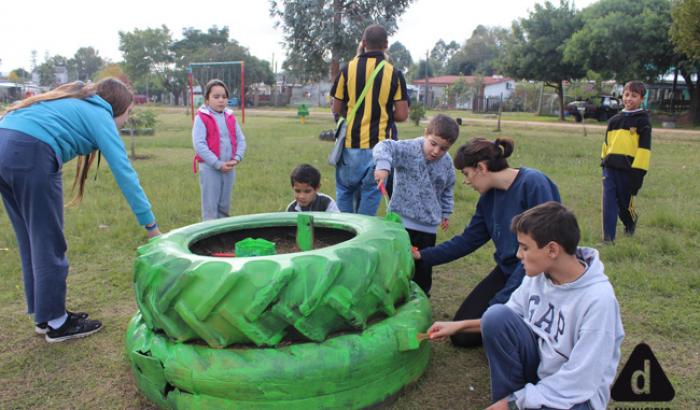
(72, 127)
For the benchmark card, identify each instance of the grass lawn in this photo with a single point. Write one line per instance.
(654, 273)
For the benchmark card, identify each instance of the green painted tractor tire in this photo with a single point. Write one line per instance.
(264, 299)
(349, 371)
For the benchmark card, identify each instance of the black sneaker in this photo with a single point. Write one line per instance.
(43, 327)
(73, 328)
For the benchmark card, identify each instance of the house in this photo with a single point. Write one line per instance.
(478, 88)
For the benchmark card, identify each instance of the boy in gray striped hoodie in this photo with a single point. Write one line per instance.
(423, 184)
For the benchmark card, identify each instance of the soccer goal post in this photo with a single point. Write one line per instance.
(232, 73)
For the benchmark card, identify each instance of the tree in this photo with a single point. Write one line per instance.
(420, 70)
(19, 75)
(479, 53)
(441, 54)
(686, 37)
(616, 46)
(684, 28)
(47, 70)
(112, 70)
(400, 56)
(214, 45)
(87, 62)
(326, 32)
(535, 48)
(146, 52)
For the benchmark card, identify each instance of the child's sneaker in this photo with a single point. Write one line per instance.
(43, 327)
(73, 328)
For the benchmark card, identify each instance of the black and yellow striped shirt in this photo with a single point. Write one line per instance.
(375, 115)
(627, 144)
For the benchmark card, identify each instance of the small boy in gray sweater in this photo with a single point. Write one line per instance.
(423, 184)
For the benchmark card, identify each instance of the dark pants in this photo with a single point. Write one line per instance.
(424, 273)
(616, 201)
(512, 351)
(31, 188)
(476, 304)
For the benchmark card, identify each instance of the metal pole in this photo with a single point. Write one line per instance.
(189, 76)
(243, 91)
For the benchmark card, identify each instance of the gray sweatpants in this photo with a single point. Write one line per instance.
(216, 188)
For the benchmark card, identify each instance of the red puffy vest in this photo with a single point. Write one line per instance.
(213, 135)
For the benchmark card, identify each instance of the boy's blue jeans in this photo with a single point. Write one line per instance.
(511, 349)
(616, 201)
(31, 188)
(355, 189)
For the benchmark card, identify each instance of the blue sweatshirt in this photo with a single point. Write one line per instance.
(423, 190)
(73, 127)
(579, 333)
(491, 221)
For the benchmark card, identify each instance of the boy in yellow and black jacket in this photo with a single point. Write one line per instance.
(625, 160)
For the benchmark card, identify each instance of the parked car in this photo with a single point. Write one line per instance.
(601, 108)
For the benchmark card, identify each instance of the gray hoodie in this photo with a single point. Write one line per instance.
(579, 334)
(423, 190)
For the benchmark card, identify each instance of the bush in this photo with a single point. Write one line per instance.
(416, 113)
(142, 118)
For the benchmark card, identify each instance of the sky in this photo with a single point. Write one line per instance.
(61, 27)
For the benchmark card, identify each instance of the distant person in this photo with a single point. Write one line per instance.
(504, 193)
(220, 146)
(424, 185)
(384, 103)
(37, 136)
(306, 181)
(555, 344)
(625, 161)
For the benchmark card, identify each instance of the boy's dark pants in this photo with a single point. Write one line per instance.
(616, 201)
(31, 188)
(512, 352)
(424, 273)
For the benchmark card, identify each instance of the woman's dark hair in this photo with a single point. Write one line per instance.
(306, 174)
(480, 149)
(213, 83)
(116, 93)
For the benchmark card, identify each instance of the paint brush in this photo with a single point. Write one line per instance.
(422, 336)
(385, 194)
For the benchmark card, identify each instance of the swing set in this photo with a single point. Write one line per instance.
(228, 72)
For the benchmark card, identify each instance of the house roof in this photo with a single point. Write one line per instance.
(470, 79)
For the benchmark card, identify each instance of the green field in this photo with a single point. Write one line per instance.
(654, 273)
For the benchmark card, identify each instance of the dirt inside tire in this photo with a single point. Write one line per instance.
(284, 238)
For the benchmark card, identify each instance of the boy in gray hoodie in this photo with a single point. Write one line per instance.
(424, 183)
(556, 342)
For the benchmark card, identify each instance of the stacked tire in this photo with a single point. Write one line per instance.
(333, 327)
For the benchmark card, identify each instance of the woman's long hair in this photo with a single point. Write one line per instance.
(115, 92)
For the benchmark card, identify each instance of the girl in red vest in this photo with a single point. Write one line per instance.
(220, 146)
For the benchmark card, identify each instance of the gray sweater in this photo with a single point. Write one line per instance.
(579, 333)
(423, 190)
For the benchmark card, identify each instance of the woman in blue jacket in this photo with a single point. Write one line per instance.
(504, 193)
(37, 136)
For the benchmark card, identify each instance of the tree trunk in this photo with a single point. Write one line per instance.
(335, 64)
(560, 93)
(694, 92)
